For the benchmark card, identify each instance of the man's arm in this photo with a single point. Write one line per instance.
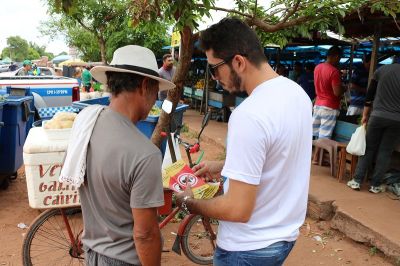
(147, 236)
(369, 99)
(338, 89)
(235, 206)
(365, 115)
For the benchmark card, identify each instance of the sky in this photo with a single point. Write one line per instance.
(22, 18)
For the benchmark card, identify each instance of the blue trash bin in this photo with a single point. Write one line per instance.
(145, 126)
(2, 103)
(16, 114)
(23, 91)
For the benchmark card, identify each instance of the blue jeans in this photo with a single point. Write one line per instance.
(273, 255)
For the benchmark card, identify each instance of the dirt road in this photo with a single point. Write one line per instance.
(317, 244)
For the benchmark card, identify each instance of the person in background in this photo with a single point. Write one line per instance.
(26, 68)
(35, 70)
(296, 72)
(268, 155)
(281, 70)
(12, 67)
(58, 71)
(358, 87)
(176, 55)
(381, 115)
(78, 75)
(167, 71)
(86, 79)
(329, 90)
(306, 80)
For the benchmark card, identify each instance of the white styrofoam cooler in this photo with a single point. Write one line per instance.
(43, 160)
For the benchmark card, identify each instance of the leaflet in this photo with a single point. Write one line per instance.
(178, 174)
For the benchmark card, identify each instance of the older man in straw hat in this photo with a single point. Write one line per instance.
(123, 186)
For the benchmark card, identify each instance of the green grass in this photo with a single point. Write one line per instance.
(184, 128)
(373, 251)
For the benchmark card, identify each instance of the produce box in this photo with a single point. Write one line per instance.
(43, 160)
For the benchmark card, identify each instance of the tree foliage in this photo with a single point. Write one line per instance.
(18, 49)
(277, 23)
(96, 27)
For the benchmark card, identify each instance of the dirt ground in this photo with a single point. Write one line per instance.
(317, 244)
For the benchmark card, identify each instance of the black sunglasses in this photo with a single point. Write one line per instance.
(213, 68)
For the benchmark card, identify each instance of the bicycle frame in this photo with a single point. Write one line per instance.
(76, 243)
(168, 218)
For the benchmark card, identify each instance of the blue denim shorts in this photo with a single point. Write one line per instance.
(273, 255)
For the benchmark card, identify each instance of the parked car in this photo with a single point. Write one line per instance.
(44, 71)
(4, 67)
(50, 91)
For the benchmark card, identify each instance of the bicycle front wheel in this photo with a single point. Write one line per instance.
(49, 242)
(199, 239)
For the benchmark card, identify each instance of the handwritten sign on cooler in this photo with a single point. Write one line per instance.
(179, 173)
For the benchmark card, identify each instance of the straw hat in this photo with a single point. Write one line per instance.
(132, 59)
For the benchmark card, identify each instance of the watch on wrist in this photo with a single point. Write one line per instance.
(183, 205)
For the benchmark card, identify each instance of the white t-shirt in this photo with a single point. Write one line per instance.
(269, 145)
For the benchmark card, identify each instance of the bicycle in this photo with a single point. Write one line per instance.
(194, 229)
(54, 238)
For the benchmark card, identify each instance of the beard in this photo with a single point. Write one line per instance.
(236, 82)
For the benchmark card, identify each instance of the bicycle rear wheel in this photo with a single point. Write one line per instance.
(199, 239)
(48, 243)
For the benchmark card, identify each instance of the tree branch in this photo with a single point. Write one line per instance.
(83, 25)
(274, 28)
(291, 12)
(397, 24)
(227, 10)
(276, 11)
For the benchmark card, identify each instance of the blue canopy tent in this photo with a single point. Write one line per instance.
(60, 59)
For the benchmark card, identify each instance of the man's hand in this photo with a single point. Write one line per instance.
(365, 115)
(226, 207)
(364, 120)
(187, 192)
(209, 169)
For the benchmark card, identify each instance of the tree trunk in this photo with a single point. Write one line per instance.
(187, 42)
(102, 44)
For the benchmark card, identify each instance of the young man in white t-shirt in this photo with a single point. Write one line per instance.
(268, 156)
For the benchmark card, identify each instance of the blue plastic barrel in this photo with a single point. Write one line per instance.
(145, 126)
(16, 117)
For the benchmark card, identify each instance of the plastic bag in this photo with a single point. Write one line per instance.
(357, 142)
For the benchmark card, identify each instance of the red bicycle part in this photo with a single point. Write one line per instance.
(184, 223)
(195, 148)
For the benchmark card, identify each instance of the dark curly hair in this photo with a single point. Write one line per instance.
(118, 82)
(230, 37)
